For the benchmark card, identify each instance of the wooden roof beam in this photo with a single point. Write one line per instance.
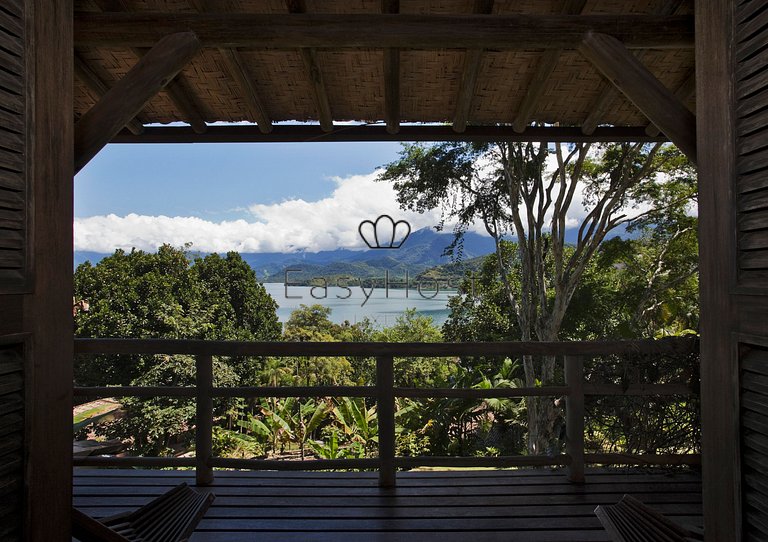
(546, 65)
(608, 95)
(391, 76)
(234, 64)
(642, 88)
(682, 93)
(509, 32)
(309, 56)
(313, 133)
(86, 75)
(177, 91)
(129, 95)
(472, 61)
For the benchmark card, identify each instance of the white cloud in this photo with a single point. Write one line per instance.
(291, 225)
(294, 224)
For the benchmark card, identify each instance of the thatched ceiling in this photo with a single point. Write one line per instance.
(517, 75)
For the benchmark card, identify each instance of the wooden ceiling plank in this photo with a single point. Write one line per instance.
(607, 96)
(546, 66)
(642, 88)
(391, 77)
(309, 56)
(86, 75)
(291, 31)
(684, 91)
(239, 73)
(313, 133)
(472, 63)
(128, 96)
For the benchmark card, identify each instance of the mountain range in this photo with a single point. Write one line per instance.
(423, 250)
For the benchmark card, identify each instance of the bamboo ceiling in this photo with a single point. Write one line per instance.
(510, 85)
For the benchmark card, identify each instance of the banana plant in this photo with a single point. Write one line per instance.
(291, 420)
(357, 422)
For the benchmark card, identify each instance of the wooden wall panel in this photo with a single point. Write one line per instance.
(13, 437)
(754, 440)
(751, 114)
(14, 253)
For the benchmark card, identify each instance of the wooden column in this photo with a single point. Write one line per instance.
(129, 95)
(204, 420)
(574, 416)
(642, 88)
(48, 309)
(385, 410)
(717, 232)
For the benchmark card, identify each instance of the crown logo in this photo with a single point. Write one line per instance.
(384, 232)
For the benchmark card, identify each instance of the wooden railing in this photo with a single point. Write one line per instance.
(385, 392)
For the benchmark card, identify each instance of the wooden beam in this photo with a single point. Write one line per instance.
(129, 95)
(642, 88)
(99, 89)
(238, 72)
(47, 309)
(290, 31)
(309, 56)
(546, 65)
(607, 95)
(535, 88)
(720, 311)
(178, 92)
(391, 77)
(392, 90)
(598, 109)
(309, 133)
(684, 91)
(472, 62)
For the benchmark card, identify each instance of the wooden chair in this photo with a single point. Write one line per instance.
(171, 517)
(629, 520)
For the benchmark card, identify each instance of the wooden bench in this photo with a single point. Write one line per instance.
(171, 517)
(629, 520)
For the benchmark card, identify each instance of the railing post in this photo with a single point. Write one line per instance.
(204, 420)
(385, 411)
(574, 416)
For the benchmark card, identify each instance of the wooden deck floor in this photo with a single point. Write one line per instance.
(509, 506)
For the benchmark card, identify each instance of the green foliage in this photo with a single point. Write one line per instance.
(164, 295)
(413, 372)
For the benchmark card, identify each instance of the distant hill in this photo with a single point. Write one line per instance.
(421, 252)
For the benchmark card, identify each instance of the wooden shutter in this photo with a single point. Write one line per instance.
(751, 194)
(754, 442)
(12, 438)
(14, 250)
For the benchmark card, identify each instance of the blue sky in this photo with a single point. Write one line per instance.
(217, 181)
(258, 197)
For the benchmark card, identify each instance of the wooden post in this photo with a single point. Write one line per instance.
(574, 417)
(385, 381)
(204, 420)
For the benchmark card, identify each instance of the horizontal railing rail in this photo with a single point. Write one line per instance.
(385, 392)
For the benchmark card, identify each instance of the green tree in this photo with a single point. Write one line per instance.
(522, 189)
(417, 372)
